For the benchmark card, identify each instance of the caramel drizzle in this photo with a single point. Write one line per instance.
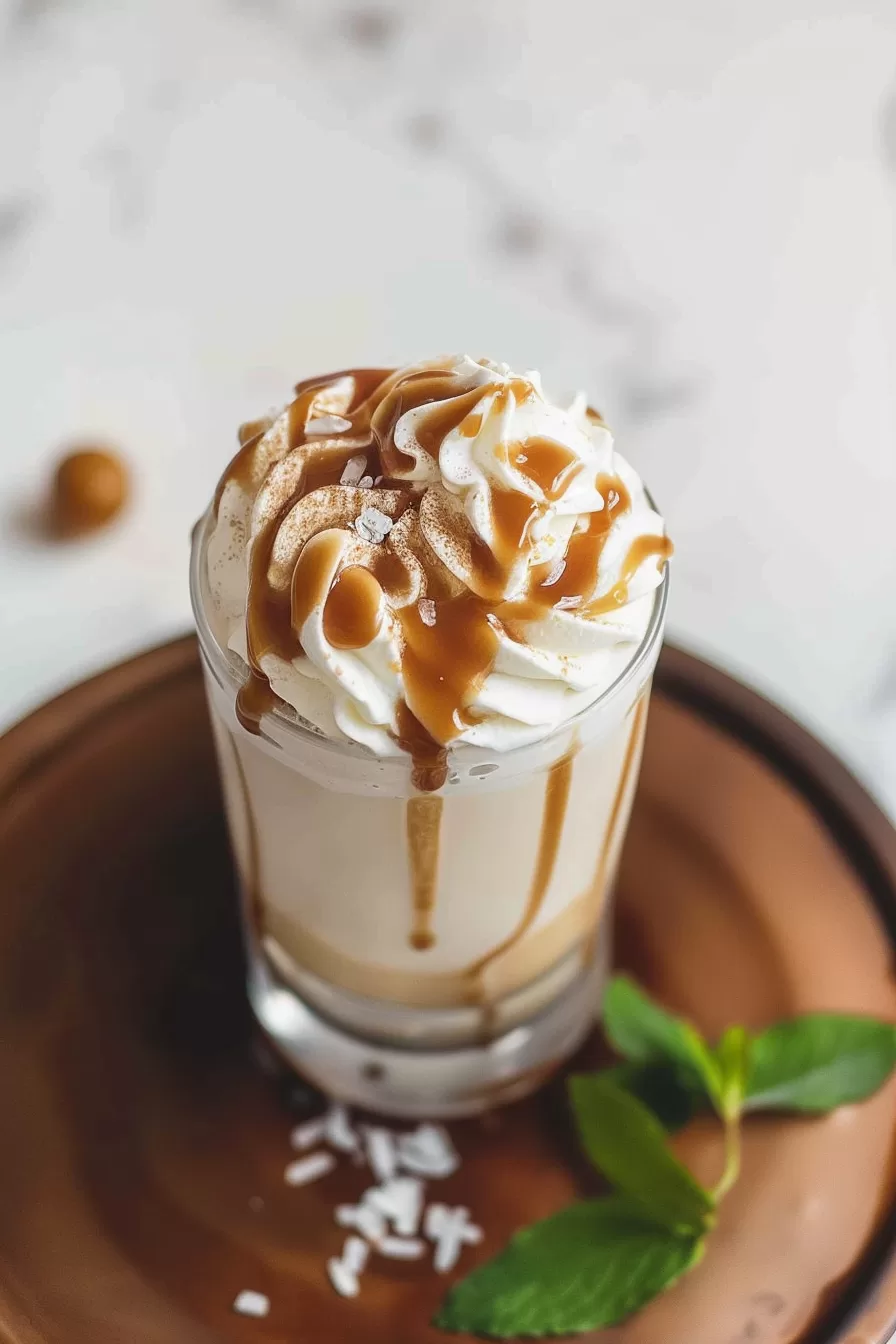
(423, 822)
(556, 799)
(446, 658)
(597, 890)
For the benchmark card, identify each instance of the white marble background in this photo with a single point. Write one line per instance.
(687, 208)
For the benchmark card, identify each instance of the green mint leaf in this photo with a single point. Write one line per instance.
(589, 1266)
(644, 1033)
(818, 1062)
(628, 1144)
(734, 1058)
(660, 1088)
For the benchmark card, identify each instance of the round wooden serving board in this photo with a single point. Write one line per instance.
(144, 1134)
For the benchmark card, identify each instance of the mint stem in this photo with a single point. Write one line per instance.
(732, 1158)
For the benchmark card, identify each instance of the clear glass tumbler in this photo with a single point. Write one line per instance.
(426, 954)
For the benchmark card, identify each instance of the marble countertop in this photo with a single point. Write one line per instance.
(691, 216)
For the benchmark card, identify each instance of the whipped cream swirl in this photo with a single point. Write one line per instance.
(436, 552)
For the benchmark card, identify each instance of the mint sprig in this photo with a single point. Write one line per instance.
(628, 1144)
(594, 1263)
(818, 1062)
(644, 1033)
(588, 1266)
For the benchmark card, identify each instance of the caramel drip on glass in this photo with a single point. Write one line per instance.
(429, 759)
(556, 798)
(597, 890)
(423, 821)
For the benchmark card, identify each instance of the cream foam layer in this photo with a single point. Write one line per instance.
(442, 513)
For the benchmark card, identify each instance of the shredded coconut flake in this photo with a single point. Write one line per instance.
(250, 1303)
(450, 1229)
(364, 1218)
(401, 1248)
(344, 1271)
(428, 1151)
(308, 1133)
(381, 1153)
(401, 1201)
(339, 1133)
(342, 1279)
(308, 1169)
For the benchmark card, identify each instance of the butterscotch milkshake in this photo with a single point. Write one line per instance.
(430, 602)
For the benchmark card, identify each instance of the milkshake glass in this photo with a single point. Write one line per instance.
(427, 920)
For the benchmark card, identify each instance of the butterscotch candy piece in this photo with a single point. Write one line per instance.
(89, 488)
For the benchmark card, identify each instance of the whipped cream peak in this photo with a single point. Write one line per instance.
(438, 546)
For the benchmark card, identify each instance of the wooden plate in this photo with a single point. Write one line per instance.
(143, 1142)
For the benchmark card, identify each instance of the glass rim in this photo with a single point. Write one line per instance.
(222, 662)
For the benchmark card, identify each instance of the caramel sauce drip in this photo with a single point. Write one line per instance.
(428, 388)
(423, 820)
(512, 517)
(353, 613)
(641, 550)
(429, 758)
(570, 582)
(313, 576)
(445, 663)
(597, 892)
(550, 465)
(556, 799)
(446, 658)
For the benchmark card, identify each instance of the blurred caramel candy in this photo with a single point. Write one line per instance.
(89, 488)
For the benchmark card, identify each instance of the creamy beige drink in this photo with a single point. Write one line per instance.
(430, 603)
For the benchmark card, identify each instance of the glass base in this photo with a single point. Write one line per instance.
(419, 1082)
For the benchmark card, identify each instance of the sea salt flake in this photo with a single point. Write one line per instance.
(327, 424)
(427, 609)
(353, 470)
(344, 1271)
(428, 1151)
(308, 1169)
(401, 1248)
(365, 482)
(372, 524)
(381, 1153)
(450, 1230)
(250, 1303)
(401, 1201)
(308, 1133)
(556, 572)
